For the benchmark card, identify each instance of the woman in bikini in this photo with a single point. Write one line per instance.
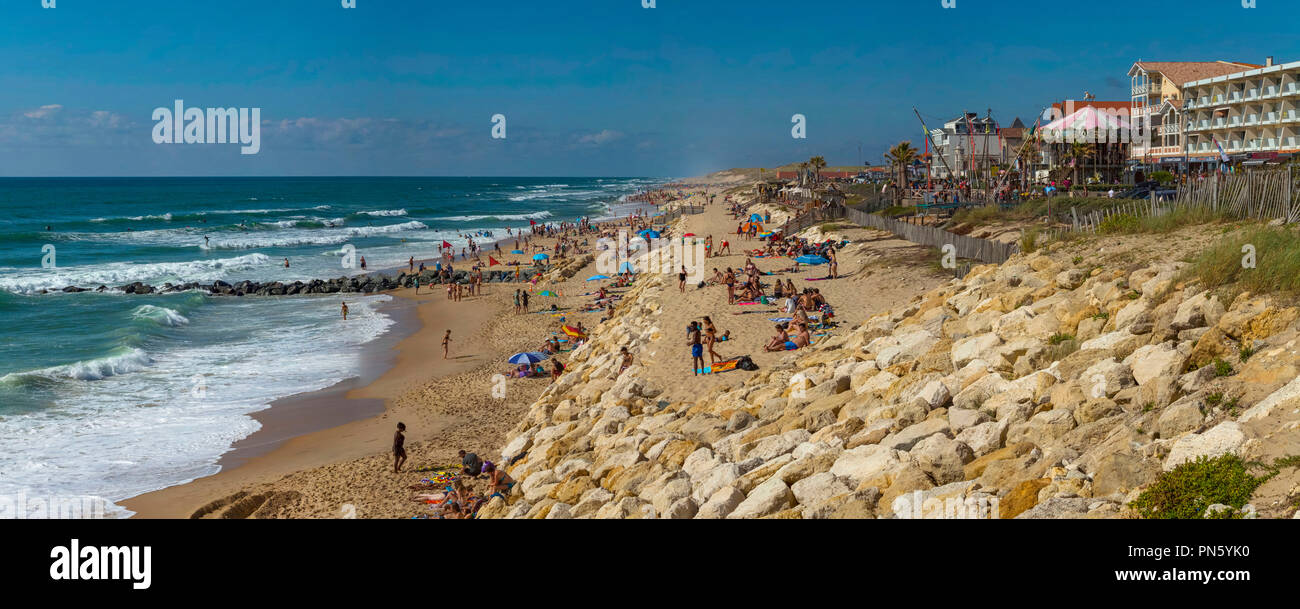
(498, 480)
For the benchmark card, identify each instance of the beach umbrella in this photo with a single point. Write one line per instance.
(527, 357)
(516, 251)
(689, 235)
(766, 234)
(572, 331)
(596, 277)
(540, 256)
(811, 259)
(755, 218)
(546, 293)
(626, 267)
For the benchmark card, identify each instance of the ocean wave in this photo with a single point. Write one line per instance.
(577, 194)
(500, 217)
(119, 273)
(384, 213)
(162, 316)
(167, 216)
(317, 237)
(124, 361)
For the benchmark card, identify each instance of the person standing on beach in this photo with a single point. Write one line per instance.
(517, 301)
(525, 300)
(411, 264)
(681, 279)
(417, 285)
(697, 349)
(399, 448)
(446, 344)
(835, 263)
(345, 311)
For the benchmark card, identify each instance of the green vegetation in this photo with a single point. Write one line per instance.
(1119, 223)
(1163, 177)
(1029, 241)
(1077, 260)
(1222, 368)
(1245, 354)
(1058, 338)
(1276, 269)
(1102, 315)
(898, 210)
(1187, 490)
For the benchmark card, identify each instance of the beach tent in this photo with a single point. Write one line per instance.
(527, 357)
(540, 256)
(758, 226)
(597, 277)
(811, 259)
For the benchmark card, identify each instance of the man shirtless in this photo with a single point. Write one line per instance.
(697, 348)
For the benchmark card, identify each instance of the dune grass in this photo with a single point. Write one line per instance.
(1228, 264)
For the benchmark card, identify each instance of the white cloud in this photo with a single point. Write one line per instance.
(603, 137)
(43, 111)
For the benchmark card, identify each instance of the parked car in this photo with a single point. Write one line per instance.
(1144, 190)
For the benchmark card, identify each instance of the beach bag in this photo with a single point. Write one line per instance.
(746, 364)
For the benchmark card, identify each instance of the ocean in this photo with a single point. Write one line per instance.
(110, 395)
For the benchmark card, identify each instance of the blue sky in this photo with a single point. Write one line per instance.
(588, 87)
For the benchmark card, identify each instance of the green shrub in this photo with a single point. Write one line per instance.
(1187, 490)
(1059, 338)
(1222, 368)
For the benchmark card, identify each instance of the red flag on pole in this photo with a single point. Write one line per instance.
(446, 245)
(492, 261)
(532, 222)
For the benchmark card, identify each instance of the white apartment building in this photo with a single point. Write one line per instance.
(1253, 114)
(1157, 101)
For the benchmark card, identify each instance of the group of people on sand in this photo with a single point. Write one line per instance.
(703, 335)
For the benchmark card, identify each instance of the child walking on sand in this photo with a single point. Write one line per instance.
(399, 448)
(446, 344)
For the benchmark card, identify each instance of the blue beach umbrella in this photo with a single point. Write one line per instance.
(527, 357)
(811, 259)
(540, 256)
(626, 267)
(597, 277)
(755, 218)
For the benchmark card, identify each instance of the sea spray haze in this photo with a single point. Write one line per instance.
(111, 395)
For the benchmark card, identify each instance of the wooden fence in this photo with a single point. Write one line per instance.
(965, 247)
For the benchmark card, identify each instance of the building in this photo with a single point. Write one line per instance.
(1156, 104)
(1254, 115)
(966, 147)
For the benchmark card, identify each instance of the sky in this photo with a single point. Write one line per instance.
(587, 87)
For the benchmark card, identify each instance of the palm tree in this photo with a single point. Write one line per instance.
(901, 156)
(817, 164)
(1079, 152)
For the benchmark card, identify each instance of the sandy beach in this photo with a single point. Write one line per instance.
(316, 470)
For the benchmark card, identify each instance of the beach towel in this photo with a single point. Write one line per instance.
(726, 366)
(816, 278)
(743, 304)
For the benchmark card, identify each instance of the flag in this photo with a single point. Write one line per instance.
(1223, 156)
(446, 245)
(492, 261)
(532, 222)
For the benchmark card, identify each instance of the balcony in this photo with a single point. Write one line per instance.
(1290, 141)
(1234, 97)
(1270, 118)
(1219, 123)
(1270, 143)
(1270, 91)
(1289, 116)
(1291, 88)
(1204, 101)
(1144, 89)
(1253, 145)
(1235, 145)
(1252, 94)
(1252, 119)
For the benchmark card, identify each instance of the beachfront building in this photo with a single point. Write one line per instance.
(1254, 115)
(1156, 107)
(967, 147)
